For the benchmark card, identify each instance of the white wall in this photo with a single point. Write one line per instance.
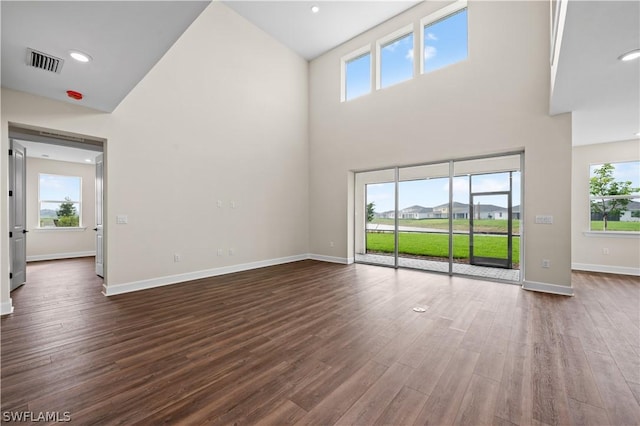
(222, 116)
(587, 252)
(57, 243)
(496, 101)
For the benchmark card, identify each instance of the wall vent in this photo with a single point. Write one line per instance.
(44, 61)
(59, 136)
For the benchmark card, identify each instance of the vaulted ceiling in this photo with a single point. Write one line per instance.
(126, 39)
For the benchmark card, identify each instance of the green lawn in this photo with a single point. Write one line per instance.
(482, 225)
(598, 225)
(437, 245)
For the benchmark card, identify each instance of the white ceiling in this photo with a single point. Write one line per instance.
(125, 39)
(602, 91)
(312, 34)
(48, 151)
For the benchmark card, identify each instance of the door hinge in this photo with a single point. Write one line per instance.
(10, 152)
(10, 234)
(10, 193)
(10, 275)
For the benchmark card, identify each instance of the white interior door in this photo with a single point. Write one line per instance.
(99, 216)
(17, 214)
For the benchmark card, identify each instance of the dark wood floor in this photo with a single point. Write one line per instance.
(319, 343)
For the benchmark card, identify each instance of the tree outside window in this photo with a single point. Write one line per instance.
(59, 201)
(615, 197)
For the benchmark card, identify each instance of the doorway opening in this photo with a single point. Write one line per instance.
(455, 217)
(56, 199)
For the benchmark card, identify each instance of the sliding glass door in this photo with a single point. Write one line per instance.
(376, 236)
(423, 228)
(456, 217)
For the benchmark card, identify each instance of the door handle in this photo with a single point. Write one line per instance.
(24, 231)
(95, 229)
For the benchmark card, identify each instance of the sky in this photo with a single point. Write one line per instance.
(56, 188)
(434, 192)
(445, 42)
(627, 171)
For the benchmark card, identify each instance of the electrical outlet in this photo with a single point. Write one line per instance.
(176, 258)
(219, 203)
(232, 252)
(220, 252)
(546, 263)
(605, 251)
(331, 244)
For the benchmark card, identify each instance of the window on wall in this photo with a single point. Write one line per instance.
(395, 58)
(614, 194)
(356, 69)
(60, 201)
(444, 37)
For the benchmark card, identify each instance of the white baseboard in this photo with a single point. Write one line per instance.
(111, 290)
(547, 288)
(55, 256)
(6, 308)
(332, 259)
(623, 270)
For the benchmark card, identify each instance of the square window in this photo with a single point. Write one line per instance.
(59, 201)
(445, 40)
(614, 194)
(396, 60)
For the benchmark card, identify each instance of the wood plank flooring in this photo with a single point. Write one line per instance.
(318, 343)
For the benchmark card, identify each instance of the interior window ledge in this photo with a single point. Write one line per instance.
(61, 229)
(612, 234)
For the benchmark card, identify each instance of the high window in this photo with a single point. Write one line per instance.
(60, 201)
(356, 70)
(614, 194)
(444, 37)
(395, 58)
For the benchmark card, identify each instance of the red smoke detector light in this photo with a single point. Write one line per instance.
(74, 95)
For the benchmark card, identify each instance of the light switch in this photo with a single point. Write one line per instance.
(122, 219)
(544, 219)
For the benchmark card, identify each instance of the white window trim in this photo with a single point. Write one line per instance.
(364, 50)
(612, 234)
(79, 202)
(438, 15)
(61, 229)
(390, 38)
(614, 197)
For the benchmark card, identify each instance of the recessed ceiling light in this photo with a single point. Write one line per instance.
(638, 134)
(315, 9)
(88, 160)
(79, 56)
(630, 56)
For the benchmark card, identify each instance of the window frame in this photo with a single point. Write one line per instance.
(633, 195)
(40, 201)
(356, 54)
(441, 15)
(388, 39)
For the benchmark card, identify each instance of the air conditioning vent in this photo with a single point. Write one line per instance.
(59, 136)
(44, 61)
